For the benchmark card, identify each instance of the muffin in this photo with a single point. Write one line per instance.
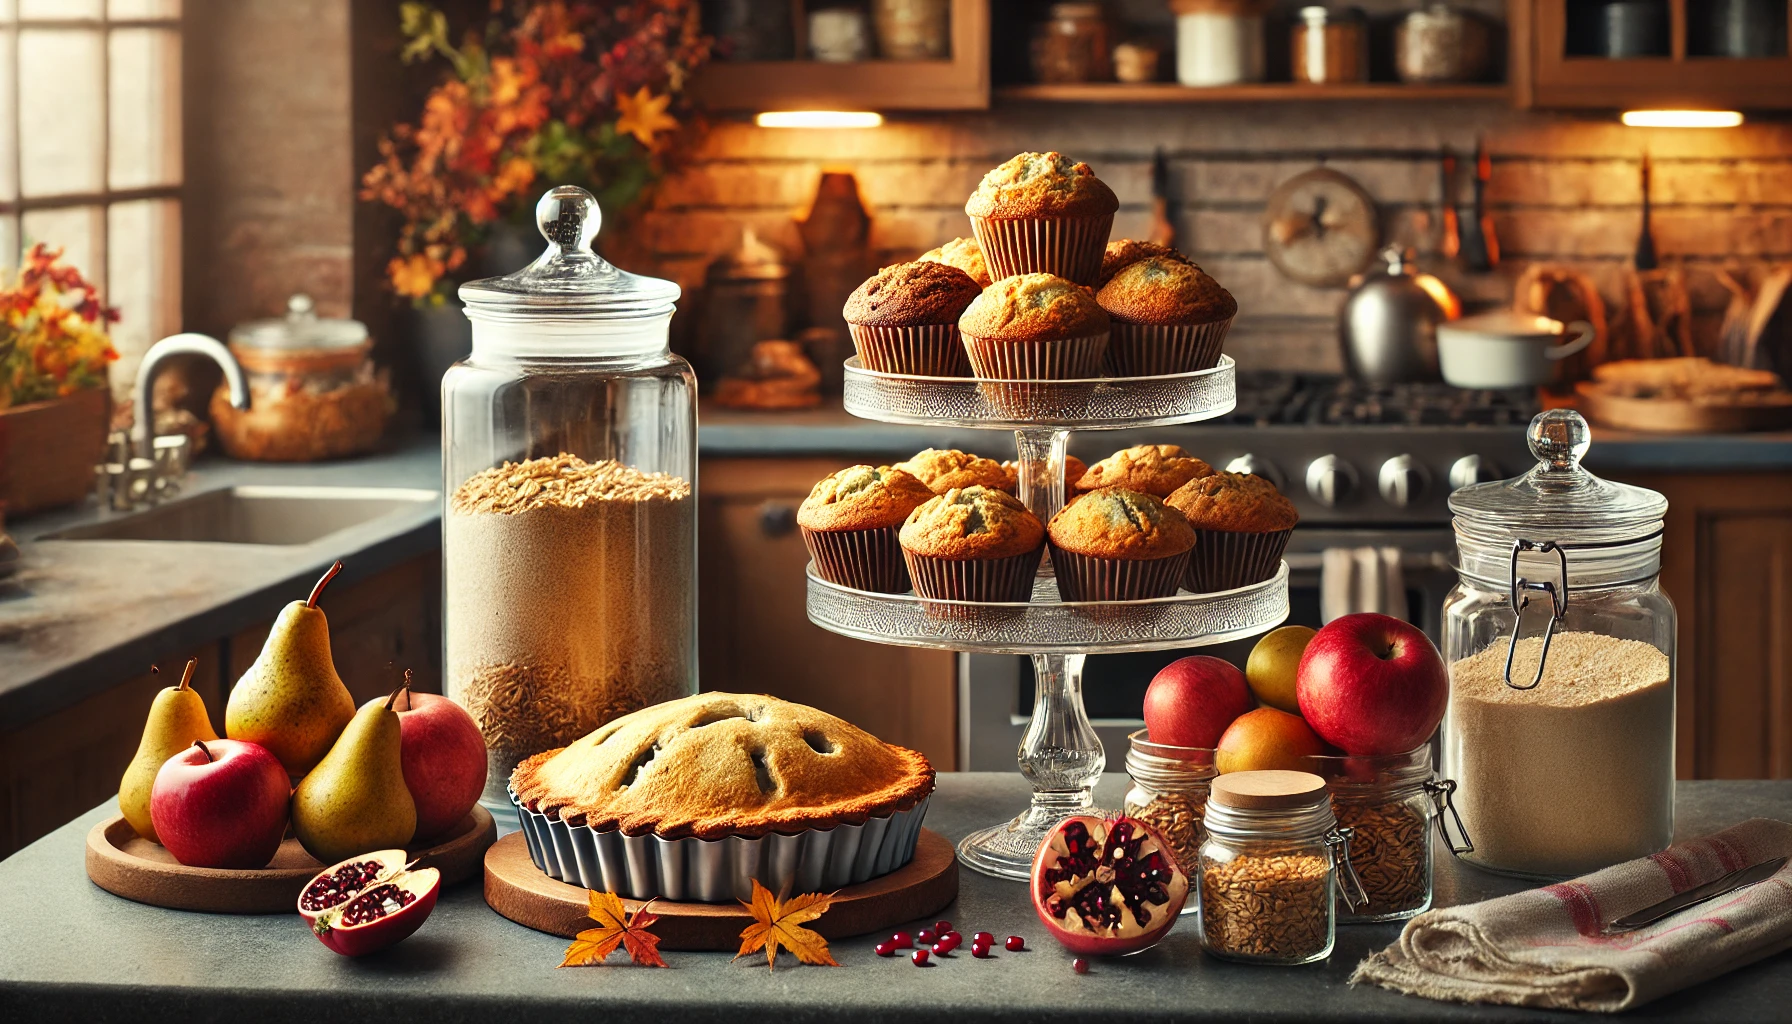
(1039, 213)
(942, 469)
(850, 522)
(1167, 316)
(1035, 327)
(904, 319)
(1119, 545)
(1124, 252)
(963, 254)
(1241, 526)
(1074, 468)
(973, 544)
(1155, 469)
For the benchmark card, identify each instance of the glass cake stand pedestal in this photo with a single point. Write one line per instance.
(1061, 756)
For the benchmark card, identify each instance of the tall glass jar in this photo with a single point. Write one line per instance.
(1169, 792)
(570, 533)
(1560, 730)
(1273, 864)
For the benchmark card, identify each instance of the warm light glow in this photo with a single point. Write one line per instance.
(819, 119)
(1681, 118)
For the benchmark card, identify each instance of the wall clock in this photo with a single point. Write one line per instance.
(1321, 228)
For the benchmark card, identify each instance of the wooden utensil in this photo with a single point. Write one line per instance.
(1645, 242)
(1480, 246)
(1449, 243)
(1163, 232)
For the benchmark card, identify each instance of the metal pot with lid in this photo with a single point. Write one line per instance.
(1388, 327)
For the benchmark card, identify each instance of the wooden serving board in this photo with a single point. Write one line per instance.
(1671, 416)
(122, 862)
(517, 889)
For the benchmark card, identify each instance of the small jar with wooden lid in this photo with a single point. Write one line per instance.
(1272, 866)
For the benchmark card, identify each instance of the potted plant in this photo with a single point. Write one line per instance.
(54, 402)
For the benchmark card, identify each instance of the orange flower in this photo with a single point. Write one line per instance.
(643, 115)
(415, 276)
(516, 175)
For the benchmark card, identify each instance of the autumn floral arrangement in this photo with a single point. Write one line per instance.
(54, 336)
(580, 92)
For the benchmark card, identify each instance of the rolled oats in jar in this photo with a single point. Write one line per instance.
(1169, 793)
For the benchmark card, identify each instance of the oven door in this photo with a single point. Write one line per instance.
(995, 691)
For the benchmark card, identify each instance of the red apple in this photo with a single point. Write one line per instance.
(1192, 701)
(221, 804)
(1372, 684)
(444, 760)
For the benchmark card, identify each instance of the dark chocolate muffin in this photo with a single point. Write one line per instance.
(904, 319)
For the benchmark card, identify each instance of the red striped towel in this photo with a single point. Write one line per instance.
(1544, 947)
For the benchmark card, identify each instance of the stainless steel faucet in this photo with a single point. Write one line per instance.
(147, 469)
(143, 425)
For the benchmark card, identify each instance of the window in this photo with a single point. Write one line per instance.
(90, 151)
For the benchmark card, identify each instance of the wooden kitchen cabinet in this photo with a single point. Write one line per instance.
(755, 633)
(1550, 68)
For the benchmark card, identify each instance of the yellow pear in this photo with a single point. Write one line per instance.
(291, 701)
(355, 800)
(176, 719)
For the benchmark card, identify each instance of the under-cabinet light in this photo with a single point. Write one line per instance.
(819, 119)
(1681, 118)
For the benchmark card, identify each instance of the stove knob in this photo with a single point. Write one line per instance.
(1472, 469)
(1256, 466)
(1403, 480)
(1330, 480)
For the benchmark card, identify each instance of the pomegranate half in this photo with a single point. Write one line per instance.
(369, 902)
(1107, 887)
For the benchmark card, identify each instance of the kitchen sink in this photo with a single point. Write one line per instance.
(255, 515)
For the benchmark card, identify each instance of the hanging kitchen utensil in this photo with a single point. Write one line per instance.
(1480, 247)
(1645, 242)
(1163, 232)
(1449, 243)
(1320, 228)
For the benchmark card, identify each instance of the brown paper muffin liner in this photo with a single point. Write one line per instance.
(860, 559)
(1152, 350)
(1070, 247)
(1008, 580)
(1091, 578)
(1016, 365)
(924, 350)
(1224, 560)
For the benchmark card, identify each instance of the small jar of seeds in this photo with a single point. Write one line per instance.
(1169, 792)
(1271, 868)
(1388, 803)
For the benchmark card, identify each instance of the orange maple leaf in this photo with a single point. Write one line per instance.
(615, 927)
(778, 923)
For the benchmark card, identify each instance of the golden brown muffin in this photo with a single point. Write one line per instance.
(972, 523)
(1041, 184)
(1034, 307)
(862, 498)
(942, 469)
(1155, 469)
(1118, 523)
(909, 294)
(1160, 290)
(1074, 468)
(1234, 503)
(964, 254)
(1124, 252)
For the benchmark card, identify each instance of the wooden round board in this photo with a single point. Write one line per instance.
(122, 862)
(1671, 416)
(519, 890)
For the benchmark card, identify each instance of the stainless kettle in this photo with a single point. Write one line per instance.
(1388, 327)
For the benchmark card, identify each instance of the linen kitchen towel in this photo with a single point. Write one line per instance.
(1546, 947)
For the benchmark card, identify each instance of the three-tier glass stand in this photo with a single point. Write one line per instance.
(1061, 756)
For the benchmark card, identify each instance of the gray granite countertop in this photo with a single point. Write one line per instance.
(70, 951)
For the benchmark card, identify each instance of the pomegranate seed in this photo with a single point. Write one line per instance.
(901, 940)
(925, 936)
(885, 949)
(941, 949)
(1015, 944)
(1079, 965)
(942, 927)
(919, 956)
(980, 950)
(956, 938)
(983, 937)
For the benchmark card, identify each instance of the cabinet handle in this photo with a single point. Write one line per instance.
(776, 519)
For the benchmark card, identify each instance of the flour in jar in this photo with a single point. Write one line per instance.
(1575, 774)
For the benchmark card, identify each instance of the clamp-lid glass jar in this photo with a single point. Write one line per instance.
(1388, 802)
(570, 532)
(1560, 729)
(1273, 864)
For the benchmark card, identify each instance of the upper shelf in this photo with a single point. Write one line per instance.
(1170, 92)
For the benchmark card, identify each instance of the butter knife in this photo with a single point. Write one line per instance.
(1698, 894)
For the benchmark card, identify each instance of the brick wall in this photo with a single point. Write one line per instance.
(1564, 189)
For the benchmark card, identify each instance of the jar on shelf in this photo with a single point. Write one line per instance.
(1330, 45)
(1560, 642)
(1169, 792)
(569, 465)
(1273, 865)
(913, 29)
(1389, 802)
(1440, 43)
(314, 392)
(1219, 42)
(1072, 45)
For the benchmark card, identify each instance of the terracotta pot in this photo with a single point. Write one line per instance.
(48, 450)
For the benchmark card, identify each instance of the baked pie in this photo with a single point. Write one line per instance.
(723, 764)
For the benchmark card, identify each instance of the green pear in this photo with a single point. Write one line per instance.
(177, 718)
(291, 701)
(355, 800)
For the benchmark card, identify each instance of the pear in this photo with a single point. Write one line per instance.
(177, 719)
(355, 800)
(291, 701)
